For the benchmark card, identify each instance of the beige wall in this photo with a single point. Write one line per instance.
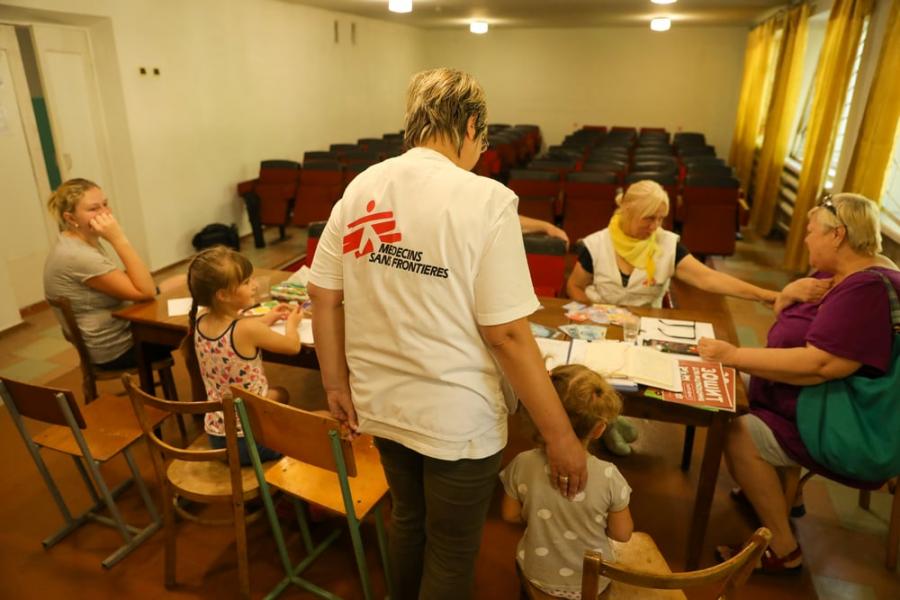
(687, 78)
(241, 81)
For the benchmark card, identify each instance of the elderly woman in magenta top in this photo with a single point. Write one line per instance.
(632, 261)
(809, 343)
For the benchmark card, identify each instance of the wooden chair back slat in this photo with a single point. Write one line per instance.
(294, 432)
(141, 399)
(724, 578)
(40, 403)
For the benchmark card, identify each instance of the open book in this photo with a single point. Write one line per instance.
(623, 365)
(639, 364)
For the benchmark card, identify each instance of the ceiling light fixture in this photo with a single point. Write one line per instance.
(478, 27)
(663, 1)
(400, 6)
(661, 24)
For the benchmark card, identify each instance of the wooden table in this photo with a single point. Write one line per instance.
(151, 324)
(638, 405)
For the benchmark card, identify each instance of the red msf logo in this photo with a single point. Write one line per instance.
(370, 230)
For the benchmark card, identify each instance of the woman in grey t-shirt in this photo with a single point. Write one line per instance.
(83, 270)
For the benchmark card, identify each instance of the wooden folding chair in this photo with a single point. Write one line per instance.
(91, 436)
(199, 474)
(320, 467)
(640, 571)
(90, 374)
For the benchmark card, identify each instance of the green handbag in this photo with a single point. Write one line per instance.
(852, 425)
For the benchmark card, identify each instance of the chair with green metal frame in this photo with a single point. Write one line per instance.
(91, 435)
(319, 467)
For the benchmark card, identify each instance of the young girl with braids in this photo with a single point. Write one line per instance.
(559, 530)
(225, 346)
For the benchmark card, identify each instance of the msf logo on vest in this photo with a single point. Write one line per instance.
(368, 232)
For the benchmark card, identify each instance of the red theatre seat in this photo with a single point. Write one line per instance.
(270, 197)
(547, 264)
(321, 185)
(538, 191)
(708, 212)
(590, 200)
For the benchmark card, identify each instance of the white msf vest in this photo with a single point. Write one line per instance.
(607, 286)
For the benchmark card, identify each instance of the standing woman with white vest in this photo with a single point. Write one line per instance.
(421, 295)
(632, 261)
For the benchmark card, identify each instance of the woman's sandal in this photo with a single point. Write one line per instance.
(770, 563)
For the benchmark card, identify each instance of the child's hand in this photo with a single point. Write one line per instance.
(294, 316)
(277, 313)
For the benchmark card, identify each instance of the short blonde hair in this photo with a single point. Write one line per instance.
(858, 215)
(643, 198)
(439, 103)
(66, 198)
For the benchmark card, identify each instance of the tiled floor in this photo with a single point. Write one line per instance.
(843, 545)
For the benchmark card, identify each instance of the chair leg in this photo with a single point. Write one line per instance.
(168, 509)
(240, 536)
(865, 497)
(688, 449)
(360, 554)
(167, 382)
(383, 547)
(893, 540)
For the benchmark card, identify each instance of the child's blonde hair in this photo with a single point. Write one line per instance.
(211, 270)
(586, 397)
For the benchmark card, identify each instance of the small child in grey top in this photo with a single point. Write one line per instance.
(559, 530)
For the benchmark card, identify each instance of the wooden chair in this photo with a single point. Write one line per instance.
(90, 374)
(640, 571)
(199, 474)
(320, 467)
(91, 436)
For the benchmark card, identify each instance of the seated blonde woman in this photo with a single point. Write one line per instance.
(632, 261)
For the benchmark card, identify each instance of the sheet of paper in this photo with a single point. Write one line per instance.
(305, 331)
(179, 306)
(606, 357)
(652, 367)
(674, 330)
(555, 352)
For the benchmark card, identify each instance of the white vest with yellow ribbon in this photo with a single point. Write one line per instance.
(607, 285)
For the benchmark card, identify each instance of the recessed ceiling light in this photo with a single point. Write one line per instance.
(478, 27)
(663, 1)
(400, 6)
(661, 24)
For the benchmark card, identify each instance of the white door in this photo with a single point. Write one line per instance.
(76, 116)
(27, 232)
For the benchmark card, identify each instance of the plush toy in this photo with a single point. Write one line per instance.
(618, 436)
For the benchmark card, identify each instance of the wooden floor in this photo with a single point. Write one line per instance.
(843, 545)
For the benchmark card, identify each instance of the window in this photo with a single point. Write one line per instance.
(799, 142)
(890, 201)
(845, 110)
(768, 84)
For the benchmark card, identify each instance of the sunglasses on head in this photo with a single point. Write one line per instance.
(827, 202)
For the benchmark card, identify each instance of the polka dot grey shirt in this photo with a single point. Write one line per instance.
(559, 530)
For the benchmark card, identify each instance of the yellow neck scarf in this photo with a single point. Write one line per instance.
(637, 253)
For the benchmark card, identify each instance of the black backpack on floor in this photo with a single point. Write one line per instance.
(217, 233)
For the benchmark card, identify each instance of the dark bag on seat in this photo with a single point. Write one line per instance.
(215, 234)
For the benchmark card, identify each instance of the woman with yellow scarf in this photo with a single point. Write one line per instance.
(631, 261)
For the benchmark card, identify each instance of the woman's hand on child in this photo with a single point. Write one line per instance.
(568, 465)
